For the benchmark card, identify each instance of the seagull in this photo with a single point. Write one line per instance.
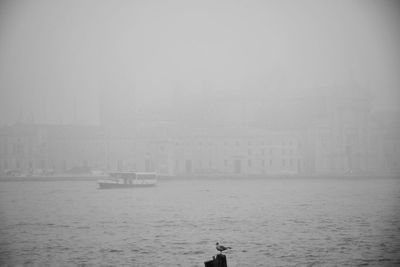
(221, 248)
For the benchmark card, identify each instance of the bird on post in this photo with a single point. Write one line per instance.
(221, 248)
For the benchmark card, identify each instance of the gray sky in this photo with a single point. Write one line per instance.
(57, 53)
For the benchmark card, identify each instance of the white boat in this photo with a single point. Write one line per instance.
(128, 179)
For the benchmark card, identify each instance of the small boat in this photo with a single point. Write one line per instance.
(128, 179)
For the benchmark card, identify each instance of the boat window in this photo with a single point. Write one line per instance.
(146, 176)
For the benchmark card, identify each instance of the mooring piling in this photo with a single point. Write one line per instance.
(218, 261)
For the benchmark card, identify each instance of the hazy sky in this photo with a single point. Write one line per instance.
(55, 55)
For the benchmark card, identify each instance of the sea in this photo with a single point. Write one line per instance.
(267, 222)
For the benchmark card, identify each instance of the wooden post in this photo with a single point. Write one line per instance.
(219, 261)
(209, 263)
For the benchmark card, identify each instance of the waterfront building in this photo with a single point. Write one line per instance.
(337, 136)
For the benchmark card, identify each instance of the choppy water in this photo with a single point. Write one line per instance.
(267, 222)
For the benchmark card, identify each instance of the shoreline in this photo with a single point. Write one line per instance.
(162, 178)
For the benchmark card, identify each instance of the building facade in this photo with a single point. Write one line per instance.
(341, 138)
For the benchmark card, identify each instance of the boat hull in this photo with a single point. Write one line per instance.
(116, 185)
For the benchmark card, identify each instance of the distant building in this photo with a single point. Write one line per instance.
(337, 135)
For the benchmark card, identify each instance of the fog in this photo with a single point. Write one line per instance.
(142, 133)
(60, 61)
